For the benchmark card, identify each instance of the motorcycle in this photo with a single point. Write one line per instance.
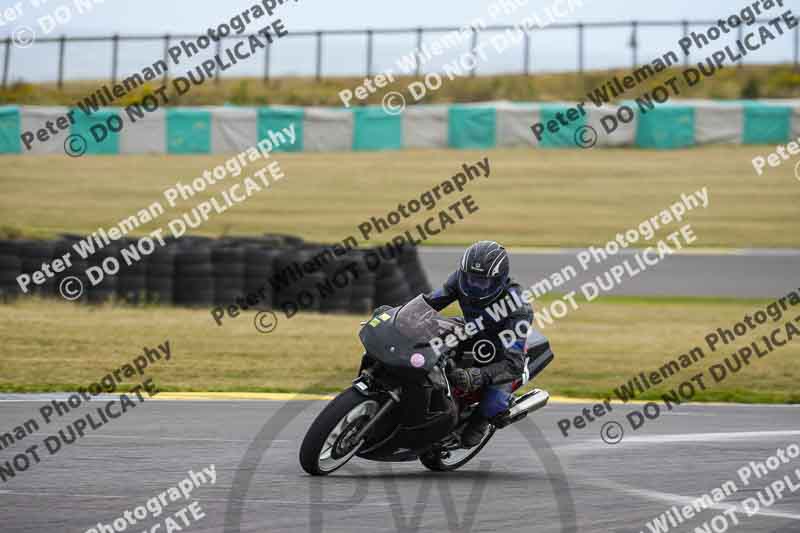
(401, 406)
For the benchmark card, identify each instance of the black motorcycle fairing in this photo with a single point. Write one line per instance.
(399, 338)
(425, 416)
(398, 353)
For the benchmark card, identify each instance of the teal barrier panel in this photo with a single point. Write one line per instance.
(275, 120)
(766, 124)
(375, 129)
(188, 131)
(666, 128)
(472, 127)
(96, 130)
(10, 130)
(565, 136)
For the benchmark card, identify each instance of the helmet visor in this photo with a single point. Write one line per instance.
(478, 286)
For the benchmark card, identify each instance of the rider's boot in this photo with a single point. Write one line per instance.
(475, 430)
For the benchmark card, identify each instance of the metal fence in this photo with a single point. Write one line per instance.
(370, 34)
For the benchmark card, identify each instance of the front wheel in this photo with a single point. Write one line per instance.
(446, 461)
(328, 444)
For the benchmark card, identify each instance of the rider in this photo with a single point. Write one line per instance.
(482, 281)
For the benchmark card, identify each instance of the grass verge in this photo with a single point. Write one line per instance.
(56, 346)
(532, 198)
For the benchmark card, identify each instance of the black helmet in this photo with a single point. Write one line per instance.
(484, 272)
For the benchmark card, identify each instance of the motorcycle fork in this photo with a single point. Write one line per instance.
(394, 398)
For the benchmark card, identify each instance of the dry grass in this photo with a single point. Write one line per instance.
(750, 81)
(533, 198)
(55, 345)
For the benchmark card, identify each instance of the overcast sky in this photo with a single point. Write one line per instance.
(174, 16)
(551, 50)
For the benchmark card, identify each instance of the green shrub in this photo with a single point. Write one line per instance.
(751, 89)
(240, 95)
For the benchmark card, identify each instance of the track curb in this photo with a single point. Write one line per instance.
(289, 396)
(286, 396)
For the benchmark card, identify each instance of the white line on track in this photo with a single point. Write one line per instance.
(709, 437)
(684, 500)
(687, 414)
(596, 445)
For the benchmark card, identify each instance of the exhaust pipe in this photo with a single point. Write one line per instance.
(527, 403)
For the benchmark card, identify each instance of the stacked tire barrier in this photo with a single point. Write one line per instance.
(269, 272)
(10, 267)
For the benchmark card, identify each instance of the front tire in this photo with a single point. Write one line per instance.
(326, 446)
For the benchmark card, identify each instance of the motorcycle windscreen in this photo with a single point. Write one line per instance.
(400, 337)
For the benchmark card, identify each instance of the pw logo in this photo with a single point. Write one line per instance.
(405, 521)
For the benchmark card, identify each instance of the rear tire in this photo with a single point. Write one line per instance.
(434, 460)
(324, 450)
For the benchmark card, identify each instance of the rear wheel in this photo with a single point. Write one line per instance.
(449, 460)
(328, 444)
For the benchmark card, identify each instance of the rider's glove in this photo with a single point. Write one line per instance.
(468, 380)
(381, 309)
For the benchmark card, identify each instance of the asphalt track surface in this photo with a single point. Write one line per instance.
(528, 478)
(739, 273)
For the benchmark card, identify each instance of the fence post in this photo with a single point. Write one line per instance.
(472, 50)
(526, 57)
(580, 51)
(527, 53)
(218, 77)
(166, 57)
(266, 63)
(114, 58)
(319, 55)
(418, 67)
(741, 59)
(6, 61)
(686, 35)
(369, 53)
(61, 45)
